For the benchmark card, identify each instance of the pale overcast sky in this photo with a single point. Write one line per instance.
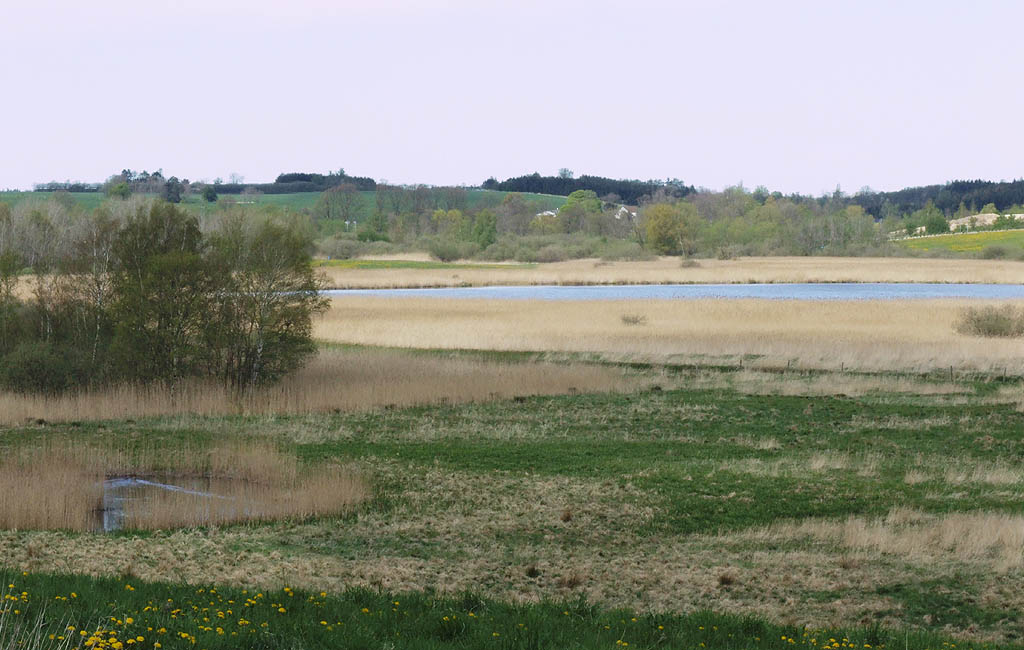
(797, 96)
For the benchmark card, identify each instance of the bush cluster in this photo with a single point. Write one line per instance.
(1006, 321)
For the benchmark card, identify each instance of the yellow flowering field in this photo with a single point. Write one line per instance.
(970, 242)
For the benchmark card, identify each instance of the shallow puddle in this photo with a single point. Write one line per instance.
(124, 493)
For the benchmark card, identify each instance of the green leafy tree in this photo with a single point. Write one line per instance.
(163, 294)
(671, 229)
(209, 193)
(453, 224)
(583, 211)
(119, 191)
(172, 190)
(263, 328)
(931, 218)
(485, 228)
(375, 228)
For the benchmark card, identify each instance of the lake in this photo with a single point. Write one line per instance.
(805, 291)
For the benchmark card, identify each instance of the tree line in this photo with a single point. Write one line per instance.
(948, 198)
(139, 291)
(625, 191)
(729, 223)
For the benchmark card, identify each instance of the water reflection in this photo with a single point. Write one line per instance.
(124, 493)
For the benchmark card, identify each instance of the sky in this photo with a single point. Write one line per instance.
(795, 96)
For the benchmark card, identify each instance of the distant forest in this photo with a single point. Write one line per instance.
(948, 198)
(626, 191)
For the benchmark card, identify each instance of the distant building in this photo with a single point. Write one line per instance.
(626, 212)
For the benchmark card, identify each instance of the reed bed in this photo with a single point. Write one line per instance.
(343, 380)
(55, 485)
(995, 537)
(880, 335)
(669, 270)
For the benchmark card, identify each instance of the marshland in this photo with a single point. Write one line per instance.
(347, 470)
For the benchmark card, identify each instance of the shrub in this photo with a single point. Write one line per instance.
(500, 251)
(368, 234)
(552, 253)
(380, 248)
(339, 248)
(729, 252)
(1004, 321)
(41, 368)
(994, 252)
(448, 251)
(620, 249)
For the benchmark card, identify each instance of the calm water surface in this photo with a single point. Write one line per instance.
(806, 291)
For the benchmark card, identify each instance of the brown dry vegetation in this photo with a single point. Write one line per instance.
(886, 335)
(344, 380)
(668, 270)
(59, 486)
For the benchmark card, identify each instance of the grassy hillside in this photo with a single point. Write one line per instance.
(88, 200)
(973, 242)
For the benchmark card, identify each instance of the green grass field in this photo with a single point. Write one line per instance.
(88, 200)
(973, 242)
(891, 516)
(101, 613)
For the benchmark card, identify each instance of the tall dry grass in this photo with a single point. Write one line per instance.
(983, 537)
(31, 633)
(38, 492)
(55, 485)
(881, 335)
(668, 270)
(345, 380)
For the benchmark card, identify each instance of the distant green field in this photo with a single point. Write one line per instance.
(88, 200)
(973, 242)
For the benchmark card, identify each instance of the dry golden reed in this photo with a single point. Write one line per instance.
(346, 380)
(667, 270)
(988, 537)
(875, 335)
(41, 492)
(54, 485)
